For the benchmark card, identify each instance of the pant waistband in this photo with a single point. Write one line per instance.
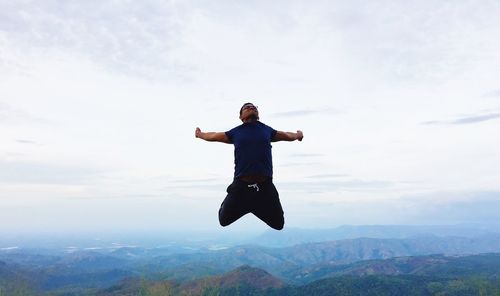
(254, 179)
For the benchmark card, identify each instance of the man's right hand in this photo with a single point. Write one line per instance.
(300, 135)
(211, 136)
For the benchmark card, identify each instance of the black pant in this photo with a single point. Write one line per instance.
(260, 199)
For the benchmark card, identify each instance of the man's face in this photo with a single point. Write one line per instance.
(249, 111)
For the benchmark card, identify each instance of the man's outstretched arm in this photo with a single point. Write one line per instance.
(212, 136)
(288, 136)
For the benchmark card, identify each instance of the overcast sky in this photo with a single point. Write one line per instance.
(399, 102)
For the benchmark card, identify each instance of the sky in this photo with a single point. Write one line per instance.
(399, 102)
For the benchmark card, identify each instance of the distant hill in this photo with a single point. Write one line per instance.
(385, 285)
(15, 280)
(423, 275)
(285, 262)
(294, 236)
(244, 280)
(484, 265)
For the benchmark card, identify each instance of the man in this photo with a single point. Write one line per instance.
(252, 190)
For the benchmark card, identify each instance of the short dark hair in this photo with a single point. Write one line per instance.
(241, 109)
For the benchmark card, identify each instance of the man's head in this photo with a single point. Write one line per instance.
(249, 112)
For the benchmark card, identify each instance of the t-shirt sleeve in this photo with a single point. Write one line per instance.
(273, 132)
(230, 134)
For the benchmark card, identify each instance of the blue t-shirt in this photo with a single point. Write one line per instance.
(252, 149)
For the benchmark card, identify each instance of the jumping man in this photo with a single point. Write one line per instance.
(252, 190)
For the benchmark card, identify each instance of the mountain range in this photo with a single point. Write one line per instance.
(294, 236)
(417, 261)
(421, 275)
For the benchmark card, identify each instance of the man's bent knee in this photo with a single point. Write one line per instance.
(278, 225)
(224, 223)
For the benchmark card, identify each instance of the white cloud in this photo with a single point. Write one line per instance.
(125, 36)
(39, 173)
(492, 94)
